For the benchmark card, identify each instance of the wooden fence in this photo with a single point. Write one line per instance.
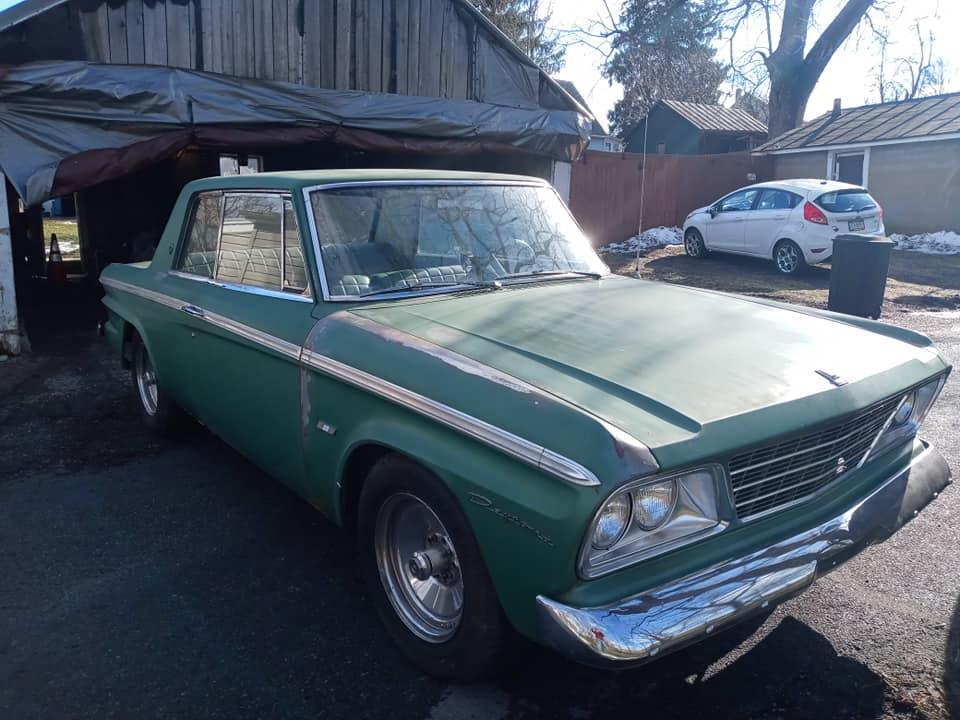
(605, 188)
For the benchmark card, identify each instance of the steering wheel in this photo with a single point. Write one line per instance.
(518, 256)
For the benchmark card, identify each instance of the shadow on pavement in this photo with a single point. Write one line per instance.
(951, 665)
(793, 672)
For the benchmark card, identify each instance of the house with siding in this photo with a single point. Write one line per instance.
(906, 153)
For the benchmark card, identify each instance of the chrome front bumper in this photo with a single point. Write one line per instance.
(666, 618)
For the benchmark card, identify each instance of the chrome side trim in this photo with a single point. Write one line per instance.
(524, 450)
(282, 347)
(156, 297)
(689, 609)
(520, 448)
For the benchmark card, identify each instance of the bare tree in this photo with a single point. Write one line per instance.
(904, 77)
(792, 70)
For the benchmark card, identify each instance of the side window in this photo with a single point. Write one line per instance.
(251, 245)
(742, 200)
(200, 249)
(772, 199)
(260, 244)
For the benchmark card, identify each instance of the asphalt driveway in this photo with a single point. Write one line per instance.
(147, 579)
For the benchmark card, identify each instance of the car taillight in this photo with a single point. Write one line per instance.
(880, 210)
(811, 213)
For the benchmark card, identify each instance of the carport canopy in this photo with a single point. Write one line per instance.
(65, 126)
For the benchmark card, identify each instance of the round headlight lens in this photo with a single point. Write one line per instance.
(613, 522)
(654, 504)
(905, 411)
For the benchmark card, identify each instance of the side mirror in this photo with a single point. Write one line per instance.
(714, 210)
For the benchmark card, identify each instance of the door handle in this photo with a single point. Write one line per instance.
(192, 310)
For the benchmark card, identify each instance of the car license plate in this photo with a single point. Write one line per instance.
(856, 225)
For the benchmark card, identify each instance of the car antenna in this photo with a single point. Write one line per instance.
(643, 187)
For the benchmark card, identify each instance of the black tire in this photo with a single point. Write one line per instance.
(160, 414)
(788, 258)
(693, 244)
(479, 633)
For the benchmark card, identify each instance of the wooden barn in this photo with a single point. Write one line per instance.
(119, 103)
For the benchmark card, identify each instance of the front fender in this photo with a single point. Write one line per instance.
(528, 524)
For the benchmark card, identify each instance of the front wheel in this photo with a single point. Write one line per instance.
(422, 565)
(788, 258)
(693, 243)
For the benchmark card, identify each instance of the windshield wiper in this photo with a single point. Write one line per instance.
(551, 273)
(465, 284)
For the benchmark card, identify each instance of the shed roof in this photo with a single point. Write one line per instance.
(715, 118)
(904, 121)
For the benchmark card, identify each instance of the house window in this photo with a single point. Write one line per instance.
(849, 167)
(661, 148)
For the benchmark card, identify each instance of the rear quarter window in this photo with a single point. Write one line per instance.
(844, 201)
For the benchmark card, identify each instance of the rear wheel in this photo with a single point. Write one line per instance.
(788, 258)
(693, 243)
(423, 567)
(157, 411)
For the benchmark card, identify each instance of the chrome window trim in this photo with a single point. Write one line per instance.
(315, 235)
(528, 452)
(251, 289)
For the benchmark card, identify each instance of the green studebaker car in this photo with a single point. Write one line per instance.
(440, 362)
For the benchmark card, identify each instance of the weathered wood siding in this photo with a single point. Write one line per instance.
(434, 48)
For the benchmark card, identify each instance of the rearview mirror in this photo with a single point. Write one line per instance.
(714, 210)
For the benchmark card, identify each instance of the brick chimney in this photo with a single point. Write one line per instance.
(836, 108)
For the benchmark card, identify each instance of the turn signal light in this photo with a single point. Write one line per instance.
(811, 213)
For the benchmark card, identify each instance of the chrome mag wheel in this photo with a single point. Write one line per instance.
(788, 258)
(146, 382)
(419, 567)
(693, 244)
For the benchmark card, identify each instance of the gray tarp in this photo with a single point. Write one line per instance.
(69, 125)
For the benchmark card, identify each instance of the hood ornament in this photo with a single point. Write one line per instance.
(831, 378)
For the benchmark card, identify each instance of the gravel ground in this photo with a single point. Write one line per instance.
(149, 579)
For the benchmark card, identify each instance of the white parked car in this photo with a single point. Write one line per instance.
(792, 222)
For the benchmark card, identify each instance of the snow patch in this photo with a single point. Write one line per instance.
(943, 242)
(652, 238)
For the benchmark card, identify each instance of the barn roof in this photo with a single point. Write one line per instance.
(904, 121)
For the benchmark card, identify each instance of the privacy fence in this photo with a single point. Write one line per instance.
(605, 188)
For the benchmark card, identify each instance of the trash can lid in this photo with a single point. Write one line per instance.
(863, 238)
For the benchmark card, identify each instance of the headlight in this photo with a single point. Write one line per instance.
(654, 504)
(650, 516)
(612, 521)
(906, 419)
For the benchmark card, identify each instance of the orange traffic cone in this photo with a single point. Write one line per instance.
(55, 270)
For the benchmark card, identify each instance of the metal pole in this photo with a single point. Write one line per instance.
(9, 324)
(643, 189)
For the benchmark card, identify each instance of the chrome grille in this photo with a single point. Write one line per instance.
(775, 475)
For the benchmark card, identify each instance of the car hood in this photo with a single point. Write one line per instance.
(664, 362)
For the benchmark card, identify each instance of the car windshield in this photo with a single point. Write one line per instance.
(845, 201)
(381, 239)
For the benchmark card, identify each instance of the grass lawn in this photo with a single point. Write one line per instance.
(68, 237)
(915, 281)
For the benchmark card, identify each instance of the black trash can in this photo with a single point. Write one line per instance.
(858, 274)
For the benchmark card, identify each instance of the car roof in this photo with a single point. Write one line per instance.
(808, 185)
(297, 179)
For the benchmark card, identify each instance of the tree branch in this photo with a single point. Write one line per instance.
(833, 37)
